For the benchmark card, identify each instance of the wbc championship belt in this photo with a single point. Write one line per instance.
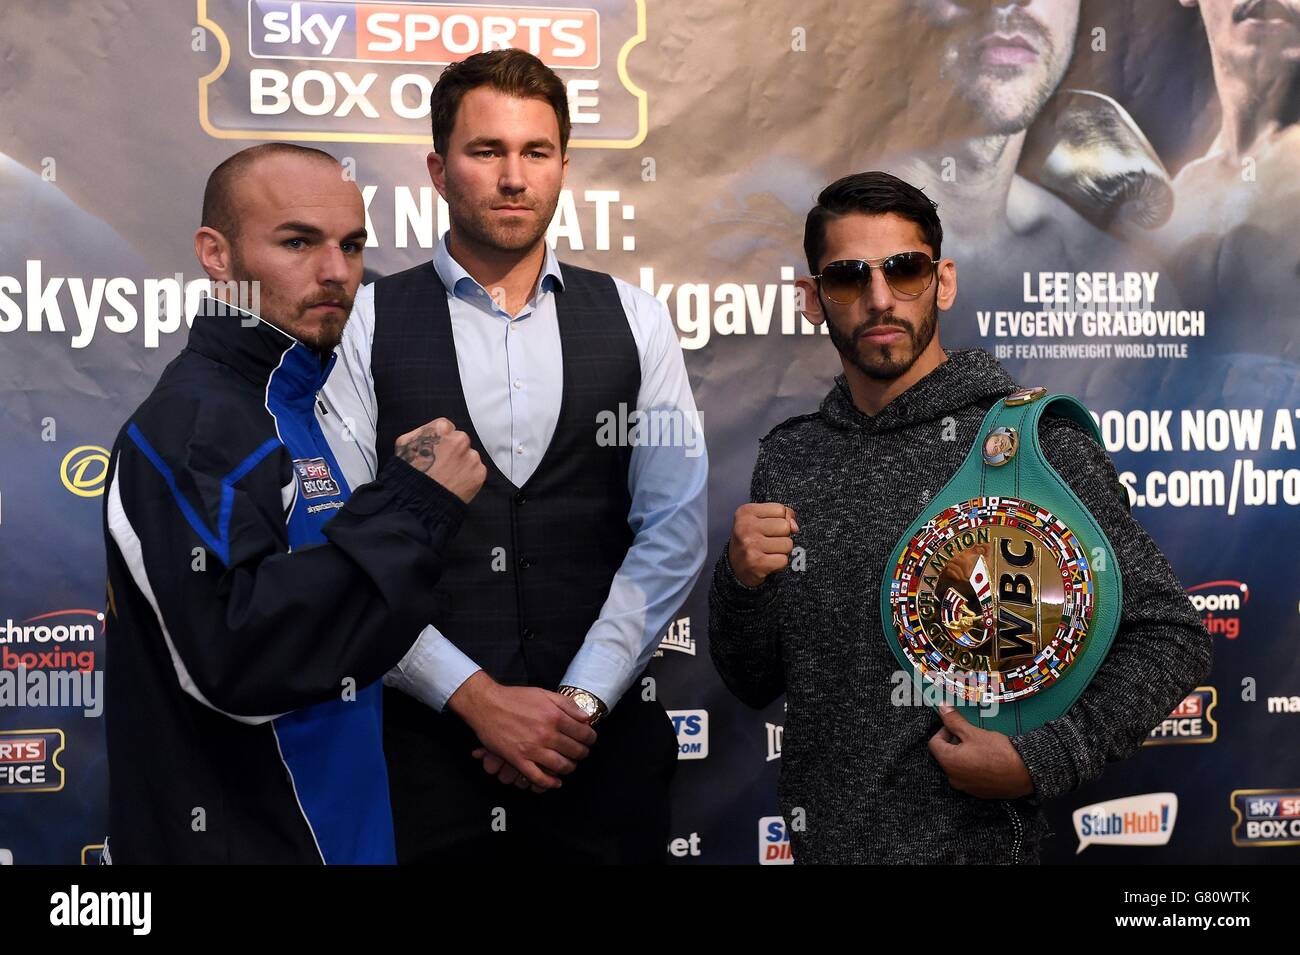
(1003, 596)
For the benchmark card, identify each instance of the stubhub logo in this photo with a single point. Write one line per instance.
(774, 842)
(1146, 820)
(692, 728)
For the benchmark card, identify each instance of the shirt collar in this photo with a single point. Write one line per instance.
(466, 288)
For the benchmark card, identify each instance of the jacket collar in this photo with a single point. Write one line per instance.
(258, 350)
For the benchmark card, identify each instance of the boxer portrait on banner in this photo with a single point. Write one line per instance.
(869, 775)
(1237, 204)
(967, 101)
(256, 596)
(520, 730)
(1026, 171)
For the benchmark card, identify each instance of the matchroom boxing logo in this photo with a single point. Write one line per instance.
(341, 71)
(1220, 602)
(68, 631)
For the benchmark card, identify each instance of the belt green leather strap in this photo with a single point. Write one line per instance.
(1005, 573)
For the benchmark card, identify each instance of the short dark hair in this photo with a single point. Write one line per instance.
(218, 194)
(513, 72)
(872, 193)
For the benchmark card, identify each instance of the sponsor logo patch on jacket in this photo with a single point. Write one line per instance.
(315, 477)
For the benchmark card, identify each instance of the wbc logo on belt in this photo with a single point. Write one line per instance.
(992, 597)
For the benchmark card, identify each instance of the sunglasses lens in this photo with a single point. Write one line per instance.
(908, 272)
(844, 282)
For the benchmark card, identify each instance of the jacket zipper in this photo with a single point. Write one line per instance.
(1019, 829)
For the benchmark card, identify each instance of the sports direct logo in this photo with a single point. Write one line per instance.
(1219, 603)
(692, 728)
(1146, 820)
(1266, 817)
(426, 34)
(774, 842)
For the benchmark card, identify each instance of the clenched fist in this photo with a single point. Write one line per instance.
(761, 541)
(441, 452)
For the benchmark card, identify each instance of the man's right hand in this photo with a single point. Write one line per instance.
(761, 541)
(438, 450)
(540, 733)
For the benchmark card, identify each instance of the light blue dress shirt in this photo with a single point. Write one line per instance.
(512, 373)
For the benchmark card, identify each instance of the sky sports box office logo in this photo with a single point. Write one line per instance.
(1191, 721)
(1265, 817)
(29, 761)
(338, 71)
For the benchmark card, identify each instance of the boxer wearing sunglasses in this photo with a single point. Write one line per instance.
(872, 776)
(884, 329)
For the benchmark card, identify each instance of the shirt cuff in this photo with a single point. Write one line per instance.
(587, 672)
(432, 670)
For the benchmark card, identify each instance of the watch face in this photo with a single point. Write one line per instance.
(587, 702)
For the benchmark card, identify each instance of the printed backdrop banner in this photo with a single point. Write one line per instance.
(1119, 191)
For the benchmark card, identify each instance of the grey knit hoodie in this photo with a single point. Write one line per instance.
(857, 765)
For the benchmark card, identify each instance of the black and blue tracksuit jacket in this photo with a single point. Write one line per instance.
(254, 606)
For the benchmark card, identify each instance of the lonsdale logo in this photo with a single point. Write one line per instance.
(341, 71)
(678, 637)
(992, 599)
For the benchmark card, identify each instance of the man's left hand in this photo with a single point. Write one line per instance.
(494, 765)
(978, 761)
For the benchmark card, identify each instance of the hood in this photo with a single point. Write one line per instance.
(967, 377)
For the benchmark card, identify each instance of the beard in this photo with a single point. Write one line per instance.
(321, 334)
(475, 220)
(886, 362)
(1003, 99)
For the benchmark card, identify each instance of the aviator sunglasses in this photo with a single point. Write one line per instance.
(908, 274)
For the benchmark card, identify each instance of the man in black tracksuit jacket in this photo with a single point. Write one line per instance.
(253, 604)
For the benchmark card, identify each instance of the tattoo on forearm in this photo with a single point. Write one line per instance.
(418, 450)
